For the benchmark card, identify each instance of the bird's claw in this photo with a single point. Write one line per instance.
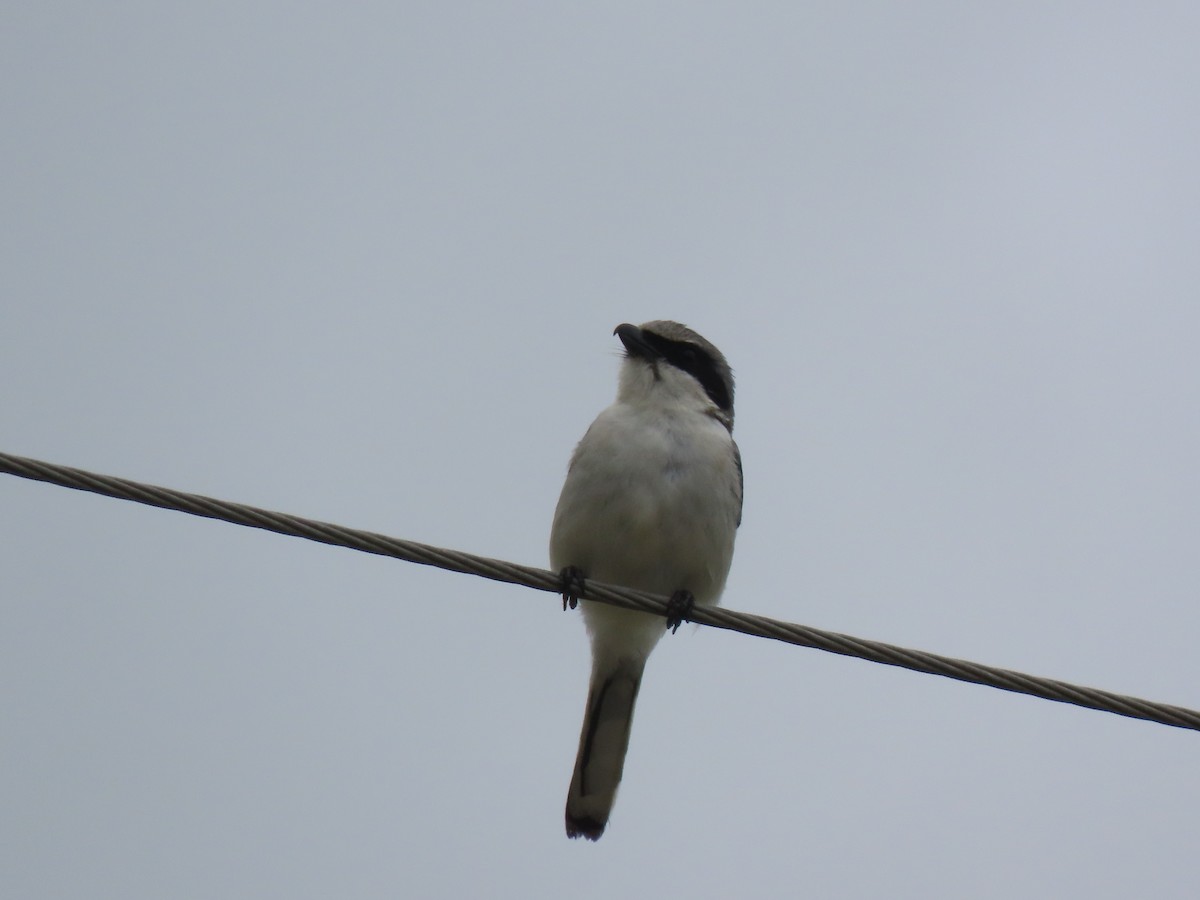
(679, 607)
(570, 586)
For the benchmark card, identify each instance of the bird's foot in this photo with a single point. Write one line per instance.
(570, 586)
(679, 607)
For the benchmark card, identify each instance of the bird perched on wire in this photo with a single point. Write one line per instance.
(652, 500)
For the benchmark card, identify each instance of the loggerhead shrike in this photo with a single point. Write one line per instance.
(652, 501)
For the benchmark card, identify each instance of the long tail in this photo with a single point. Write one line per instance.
(602, 745)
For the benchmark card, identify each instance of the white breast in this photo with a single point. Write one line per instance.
(651, 501)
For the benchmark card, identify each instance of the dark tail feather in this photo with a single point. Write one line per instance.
(602, 745)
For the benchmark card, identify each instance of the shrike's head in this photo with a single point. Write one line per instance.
(668, 363)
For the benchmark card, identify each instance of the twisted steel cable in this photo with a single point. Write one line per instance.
(543, 580)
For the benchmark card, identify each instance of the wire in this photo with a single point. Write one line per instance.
(543, 580)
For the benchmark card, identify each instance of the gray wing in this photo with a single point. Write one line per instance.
(737, 461)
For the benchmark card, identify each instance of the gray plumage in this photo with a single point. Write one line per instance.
(652, 500)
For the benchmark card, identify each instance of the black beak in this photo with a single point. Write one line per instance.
(635, 342)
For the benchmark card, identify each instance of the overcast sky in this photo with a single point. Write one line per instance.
(362, 263)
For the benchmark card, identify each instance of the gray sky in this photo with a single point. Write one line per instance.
(362, 263)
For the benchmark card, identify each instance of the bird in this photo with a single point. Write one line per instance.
(652, 501)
